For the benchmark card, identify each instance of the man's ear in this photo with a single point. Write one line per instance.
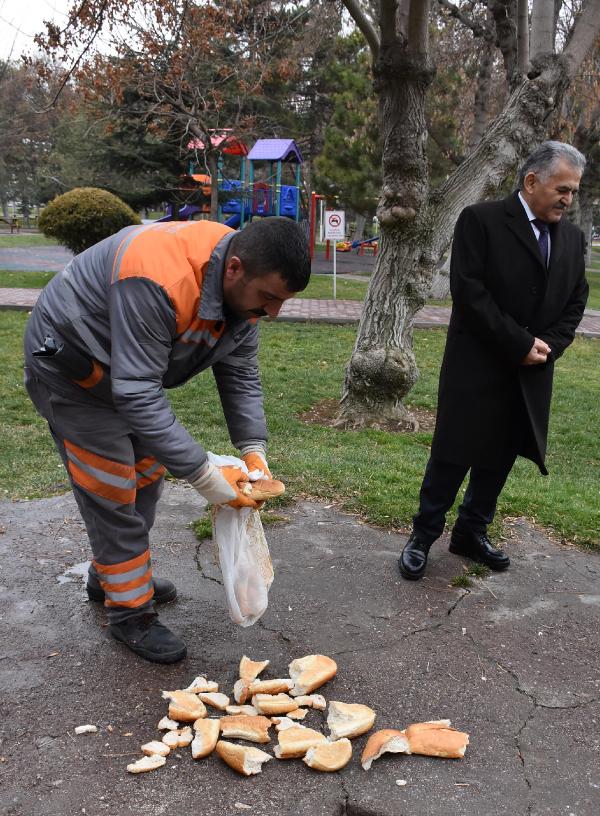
(234, 269)
(529, 182)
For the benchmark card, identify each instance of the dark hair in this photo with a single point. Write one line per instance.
(544, 158)
(274, 244)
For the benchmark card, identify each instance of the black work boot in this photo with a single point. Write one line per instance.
(148, 638)
(164, 590)
(413, 560)
(478, 547)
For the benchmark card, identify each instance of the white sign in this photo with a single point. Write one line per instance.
(335, 225)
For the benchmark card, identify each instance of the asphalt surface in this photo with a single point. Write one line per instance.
(513, 661)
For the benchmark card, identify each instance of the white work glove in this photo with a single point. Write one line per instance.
(219, 485)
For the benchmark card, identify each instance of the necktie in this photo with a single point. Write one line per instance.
(543, 238)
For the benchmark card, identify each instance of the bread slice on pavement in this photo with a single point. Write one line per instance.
(312, 701)
(206, 738)
(241, 709)
(281, 723)
(241, 726)
(280, 684)
(156, 747)
(147, 763)
(184, 706)
(242, 758)
(201, 684)
(297, 713)
(388, 740)
(271, 704)
(250, 669)
(310, 672)
(214, 699)
(349, 719)
(166, 724)
(179, 738)
(436, 739)
(241, 690)
(329, 756)
(294, 742)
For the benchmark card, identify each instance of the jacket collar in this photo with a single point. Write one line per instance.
(211, 294)
(518, 222)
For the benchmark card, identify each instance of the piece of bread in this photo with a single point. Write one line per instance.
(294, 742)
(270, 704)
(242, 758)
(263, 489)
(184, 706)
(436, 739)
(298, 713)
(240, 726)
(270, 686)
(349, 719)
(250, 669)
(312, 701)
(241, 690)
(206, 738)
(241, 709)
(179, 738)
(201, 684)
(147, 763)
(215, 699)
(388, 740)
(156, 747)
(310, 672)
(167, 724)
(329, 756)
(281, 723)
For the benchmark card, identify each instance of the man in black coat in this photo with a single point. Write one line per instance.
(519, 291)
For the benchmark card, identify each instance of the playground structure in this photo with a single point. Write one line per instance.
(268, 183)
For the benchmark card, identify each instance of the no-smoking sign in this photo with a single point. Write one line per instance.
(335, 225)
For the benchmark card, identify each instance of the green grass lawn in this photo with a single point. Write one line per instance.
(321, 288)
(374, 473)
(594, 298)
(24, 280)
(25, 239)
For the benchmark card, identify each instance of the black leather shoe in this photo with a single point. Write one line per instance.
(413, 560)
(478, 547)
(164, 590)
(148, 638)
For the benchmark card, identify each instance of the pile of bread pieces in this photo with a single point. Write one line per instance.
(282, 703)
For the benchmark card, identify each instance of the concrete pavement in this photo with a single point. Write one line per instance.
(513, 661)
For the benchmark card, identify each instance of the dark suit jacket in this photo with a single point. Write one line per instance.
(489, 405)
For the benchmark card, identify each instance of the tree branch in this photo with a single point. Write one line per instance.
(478, 29)
(584, 32)
(364, 24)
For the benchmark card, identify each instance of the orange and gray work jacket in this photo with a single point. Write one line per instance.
(143, 311)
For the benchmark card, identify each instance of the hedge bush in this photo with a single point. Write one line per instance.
(83, 216)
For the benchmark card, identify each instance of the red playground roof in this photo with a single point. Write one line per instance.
(223, 139)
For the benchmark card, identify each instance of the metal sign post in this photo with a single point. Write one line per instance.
(335, 230)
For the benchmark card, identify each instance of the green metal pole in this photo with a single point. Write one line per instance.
(278, 189)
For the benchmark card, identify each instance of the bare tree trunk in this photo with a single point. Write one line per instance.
(523, 36)
(482, 93)
(211, 163)
(541, 40)
(359, 229)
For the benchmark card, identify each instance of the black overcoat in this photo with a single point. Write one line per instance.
(489, 405)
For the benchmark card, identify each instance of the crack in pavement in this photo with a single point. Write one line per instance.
(389, 643)
(275, 631)
(201, 568)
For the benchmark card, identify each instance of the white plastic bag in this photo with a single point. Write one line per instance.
(243, 554)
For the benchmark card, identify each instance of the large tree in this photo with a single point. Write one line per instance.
(417, 221)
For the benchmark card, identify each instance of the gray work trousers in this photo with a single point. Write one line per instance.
(116, 484)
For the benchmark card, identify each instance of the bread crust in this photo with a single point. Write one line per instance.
(294, 742)
(147, 763)
(244, 759)
(349, 719)
(206, 738)
(436, 740)
(184, 706)
(311, 672)
(271, 704)
(250, 669)
(329, 756)
(264, 489)
(387, 740)
(241, 726)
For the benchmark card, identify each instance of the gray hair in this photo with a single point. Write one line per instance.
(544, 159)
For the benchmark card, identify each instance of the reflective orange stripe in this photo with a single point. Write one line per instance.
(134, 603)
(144, 464)
(124, 566)
(107, 465)
(144, 481)
(119, 495)
(128, 586)
(93, 379)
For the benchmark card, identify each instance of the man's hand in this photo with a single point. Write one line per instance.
(537, 354)
(254, 460)
(219, 485)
